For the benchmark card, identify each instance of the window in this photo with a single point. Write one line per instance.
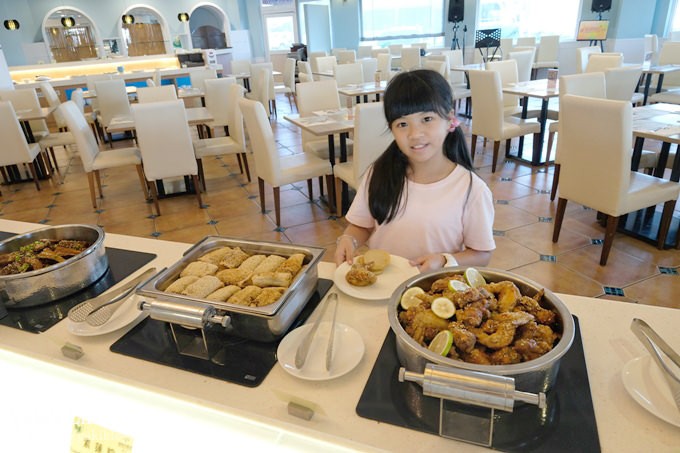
(402, 21)
(280, 32)
(530, 17)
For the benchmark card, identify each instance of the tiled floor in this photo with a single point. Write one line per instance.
(637, 272)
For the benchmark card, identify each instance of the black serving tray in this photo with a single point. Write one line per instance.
(568, 423)
(238, 360)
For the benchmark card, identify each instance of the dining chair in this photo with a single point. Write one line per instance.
(156, 93)
(440, 66)
(274, 168)
(197, 78)
(525, 61)
(547, 55)
(165, 144)
(369, 66)
(235, 143)
(288, 75)
(582, 56)
(601, 62)
(52, 139)
(262, 86)
(15, 148)
(326, 64)
(490, 120)
(240, 66)
(335, 51)
(312, 57)
(78, 97)
(621, 83)
(348, 74)
(364, 52)
(378, 50)
(347, 56)
(52, 98)
(26, 99)
(372, 136)
(90, 81)
(92, 158)
(608, 155)
(385, 66)
(410, 58)
(507, 69)
(114, 105)
(316, 96)
(395, 49)
(506, 45)
(150, 82)
(526, 41)
(305, 71)
(651, 47)
(218, 102)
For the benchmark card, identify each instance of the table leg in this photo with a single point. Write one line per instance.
(637, 153)
(648, 82)
(520, 147)
(659, 83)
(343, 158)
(331, 149)
(538, 147)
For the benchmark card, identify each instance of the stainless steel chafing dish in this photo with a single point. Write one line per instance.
(266, 323)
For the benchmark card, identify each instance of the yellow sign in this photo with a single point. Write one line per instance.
(592, 30)
(90, 438)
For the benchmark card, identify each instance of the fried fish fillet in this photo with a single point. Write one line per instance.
(203, 286)
(180, 284)
(234, 258)
(252, 262)
(223, 294)
(265, 279)
(199, 269)
(246, 296)
(268, 296)
(292, 264)
(215, 256)
(233, 276)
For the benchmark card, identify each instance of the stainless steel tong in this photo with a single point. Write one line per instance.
(303, 349)
(662, 353)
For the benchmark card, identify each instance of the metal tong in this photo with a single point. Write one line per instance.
(303, 349)
(661, 353)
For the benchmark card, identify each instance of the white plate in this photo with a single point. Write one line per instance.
(126, 314)
(395, 274)
(645, 382)
(348, 349)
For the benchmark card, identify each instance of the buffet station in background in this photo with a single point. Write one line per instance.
(134, 344)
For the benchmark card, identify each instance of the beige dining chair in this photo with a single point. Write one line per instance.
(52, 98)
(262, 86)
(15, 148)
(276, 169)
(156, 93)
(288, 76)
(347, 56)
(507, 69)
(218, 102)
(93, 159)
(114, 105)
(547, 55)
(317, 96)
(240, 66)
(525, 61)
(529, 41)
(378, 50)
(26, 99)
(197, 78)
(410, 58)
(582, 56)
(364, 52)
(372, 136)
(234, 144)
(369, 66)
(165, 143)
(621, 83)
(326, 64)
(348, 74)
(489, 119)
(305, 71)
(78, 97)
(591, 159)
(312, 57)
(385, 66)
(601, 62)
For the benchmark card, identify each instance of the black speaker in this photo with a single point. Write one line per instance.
(456, 10)
(600, 6)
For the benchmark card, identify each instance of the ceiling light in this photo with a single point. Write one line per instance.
(128, 19)
(68, 22)
(12, 24)
(183, 17)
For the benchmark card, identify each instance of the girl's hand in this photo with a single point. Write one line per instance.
(344, 251)
(428, 262)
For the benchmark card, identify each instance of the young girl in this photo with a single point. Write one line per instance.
(421, 198)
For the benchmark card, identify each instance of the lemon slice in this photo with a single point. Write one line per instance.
(443, 307)
(474, 278)
(441, 343)
(457, 285)
(409, 298)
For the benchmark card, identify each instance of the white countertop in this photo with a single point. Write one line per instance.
(622, 424)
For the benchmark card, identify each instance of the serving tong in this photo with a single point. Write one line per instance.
(99, 310)
(303, 350)
(662, 353)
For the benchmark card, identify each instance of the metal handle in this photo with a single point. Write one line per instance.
(333, 298)
(191, 314)
(303, 349)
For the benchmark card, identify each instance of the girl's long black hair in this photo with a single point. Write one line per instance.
(410, 92)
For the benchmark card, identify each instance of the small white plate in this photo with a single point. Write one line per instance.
(645, 383)
(395, 274)
(348, 349)
(127, 314)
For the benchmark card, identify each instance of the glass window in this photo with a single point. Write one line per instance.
(675, 24)
(530, 17)
(280, 32)
(402, 21)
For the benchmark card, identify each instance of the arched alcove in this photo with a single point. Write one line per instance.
(79, 41)
(209, 27)
(147, 35)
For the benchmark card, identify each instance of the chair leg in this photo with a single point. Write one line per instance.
(496, 148)
(551, 137)
(244, 159)
(321, 186)
(197, 190)
(310, 189)
(332, 194)
(473, 146)
(277, 205)
(34, 173)
(260, 183)
(98, 178)
(142, 180)
(110, 139)
(4, 175)
(559, 217)
(665, 223)
(338, 196)
(90, 182)
(154, 195)
(612, 223)
(556, 180)
(201, 176)
(508, 143)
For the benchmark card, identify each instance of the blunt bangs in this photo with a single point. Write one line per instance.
(416, 91)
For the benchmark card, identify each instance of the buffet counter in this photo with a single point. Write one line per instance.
(166, 409)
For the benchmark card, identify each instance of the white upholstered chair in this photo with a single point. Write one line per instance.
(15, 147)
(305, 71)
(92, 158)
(26, 99)
(410, 58)
(372, 136)
(114, 105)
(240, 66)
(385, 66)
(347, 56)
(364, 52)
(326, 64)
(165, 143)
(507, 69)
(347, 74)
(273, 168)
(369, 66)
(198, 76)
(233, 144)
(547, 55)
(591, 158)
(529, 41)
(217, 101)
(288, 75)
(621, 83)
(262, 86)
(156, 93)
(490, 120)
(78, 97)
(601, 62)
(582, 56)
(525, 60)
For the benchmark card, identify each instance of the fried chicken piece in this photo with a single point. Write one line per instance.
(462, 338)
(49, 254)
(507, 294)
(359, 275)
(422, 324)
(473, 314)
(502, 335)
(534, 340)
(505, 356)
(478, 356)
(516, 318)
(442, 284)
(543, 315)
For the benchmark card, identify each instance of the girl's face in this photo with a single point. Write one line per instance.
(420, 136)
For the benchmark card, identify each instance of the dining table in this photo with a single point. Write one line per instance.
(63, 396)
(359, 90)
(544, 90)
(25, 116)
(660, 71)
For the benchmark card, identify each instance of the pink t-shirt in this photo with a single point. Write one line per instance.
(436, 219)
